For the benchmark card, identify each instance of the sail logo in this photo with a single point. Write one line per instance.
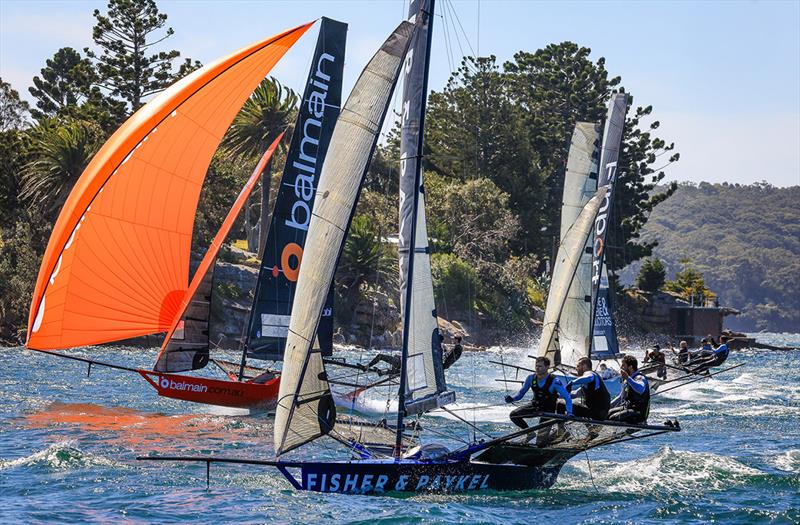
(601, 223)
(306, 165)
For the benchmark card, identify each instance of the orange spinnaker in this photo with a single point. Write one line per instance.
(211, 254)
(117, 263)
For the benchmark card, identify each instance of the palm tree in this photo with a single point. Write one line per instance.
(269, 110)
(60, 151)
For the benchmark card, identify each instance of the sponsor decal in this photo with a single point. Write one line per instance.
(365, 483)
(170, 384)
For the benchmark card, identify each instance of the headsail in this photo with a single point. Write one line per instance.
(604, 333)
(117, 263)
(277, 279)
(187, 348)
(425, 382)
(567, 261)
(305, 408)
(573, 322)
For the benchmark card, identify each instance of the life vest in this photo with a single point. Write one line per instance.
(722, 354)
(636, 401)
(543, 398)
(596, 396)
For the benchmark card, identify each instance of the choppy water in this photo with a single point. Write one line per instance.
(68, 445)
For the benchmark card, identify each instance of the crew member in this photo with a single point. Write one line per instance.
(682, 353)
(655, 355)
(454, 354)
(589, 384)
(633, 403)
(392, 360)
(607, 373)
(545, 388)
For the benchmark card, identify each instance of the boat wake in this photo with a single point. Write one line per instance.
(667, 471)
(60, 456)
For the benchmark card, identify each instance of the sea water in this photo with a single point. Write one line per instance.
(68, 444)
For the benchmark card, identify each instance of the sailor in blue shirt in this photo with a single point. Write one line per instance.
(709, 358)
(590, 386)
(633, 403)
(546, 389)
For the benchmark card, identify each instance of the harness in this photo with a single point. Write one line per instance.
(596, 396)
(543, 398)
(636, 401)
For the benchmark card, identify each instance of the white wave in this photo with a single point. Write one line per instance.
(668, 470)
(789, 461)
(59, 456)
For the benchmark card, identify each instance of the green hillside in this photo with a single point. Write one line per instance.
(746, 242)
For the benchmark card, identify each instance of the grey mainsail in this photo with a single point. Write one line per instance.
(604, 333)
(305, 408)
(570, 252)
(573, 322)
(425, 382)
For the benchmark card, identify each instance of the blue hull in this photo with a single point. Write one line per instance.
(370, 477)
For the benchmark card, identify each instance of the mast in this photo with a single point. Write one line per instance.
(416, 8)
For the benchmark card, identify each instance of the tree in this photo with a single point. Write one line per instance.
(60, 151)
(365, 260)
(555, 87)
(689, 285)
(13, 111)
(635, 197)
(268, 112)
(474, 130)
(128, 67)
(651, 275)
(67, 89)
(65, 80)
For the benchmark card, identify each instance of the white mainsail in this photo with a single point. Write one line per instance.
(570, 253)
(305, 408)
(573, 322)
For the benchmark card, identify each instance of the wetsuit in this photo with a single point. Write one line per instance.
(721, 354)
(633, 403)
(392, 360)
(596, 399)
(658, 357)
(452, 356)
(545, 398)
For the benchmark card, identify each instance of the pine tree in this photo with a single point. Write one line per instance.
(128, 67)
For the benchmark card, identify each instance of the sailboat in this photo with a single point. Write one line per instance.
(578, 319)
(306, 410)
(117, 262)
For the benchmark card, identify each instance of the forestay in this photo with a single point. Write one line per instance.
(283, 252)
(425, 382)
(573, 322)
(305, 408)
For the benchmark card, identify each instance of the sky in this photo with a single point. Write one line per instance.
(723, 77)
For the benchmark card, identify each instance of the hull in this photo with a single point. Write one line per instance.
(408, 476)
(234, 394)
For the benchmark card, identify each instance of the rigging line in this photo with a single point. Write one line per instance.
(458, 19)
(448, 45)
(455, 33)
(474, 427)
